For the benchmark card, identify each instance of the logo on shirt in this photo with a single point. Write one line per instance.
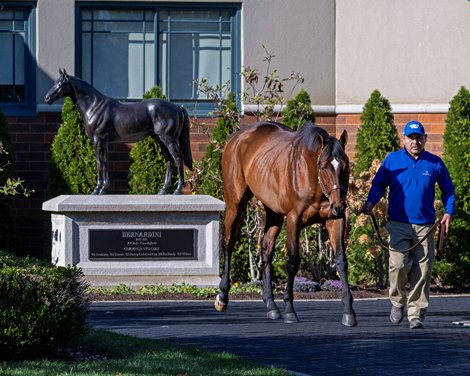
(426, 173)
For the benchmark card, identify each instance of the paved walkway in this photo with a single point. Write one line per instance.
(318, 345)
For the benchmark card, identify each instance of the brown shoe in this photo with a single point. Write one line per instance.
(396, 315)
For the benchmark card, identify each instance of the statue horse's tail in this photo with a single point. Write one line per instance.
(184, 141)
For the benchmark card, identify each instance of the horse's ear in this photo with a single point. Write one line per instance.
(61, 72)
(65, 72)
(320, 140)
(344, 138)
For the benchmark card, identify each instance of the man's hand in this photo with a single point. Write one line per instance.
(446, 219)
(366, 208)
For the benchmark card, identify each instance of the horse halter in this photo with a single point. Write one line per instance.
(325, 191)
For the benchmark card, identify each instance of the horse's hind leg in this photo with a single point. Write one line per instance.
(293, 263)
(336, 233)
(271, 231)
(177, 157)
(169, 166)
(234, 212)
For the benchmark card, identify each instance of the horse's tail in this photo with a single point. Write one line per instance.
(184, 141)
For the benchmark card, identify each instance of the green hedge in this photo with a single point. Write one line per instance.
(42, 307)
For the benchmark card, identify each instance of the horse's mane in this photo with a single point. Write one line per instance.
(85, 86)
(332, 147)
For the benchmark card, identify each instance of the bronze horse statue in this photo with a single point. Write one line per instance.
(109, 121)
(300, 176)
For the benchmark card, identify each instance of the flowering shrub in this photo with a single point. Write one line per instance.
(366, 259)
(331, 285)
(302, 284)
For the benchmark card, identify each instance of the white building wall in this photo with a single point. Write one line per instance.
(415, 52)
(301, 35)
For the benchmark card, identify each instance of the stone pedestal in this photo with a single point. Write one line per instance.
(138, 239)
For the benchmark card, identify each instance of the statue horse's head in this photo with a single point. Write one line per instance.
(333, 173)
(61, 88)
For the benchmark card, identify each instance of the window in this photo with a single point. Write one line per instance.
(16, 58)
(127, 51)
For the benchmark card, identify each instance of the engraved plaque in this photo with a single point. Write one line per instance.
(137, 245)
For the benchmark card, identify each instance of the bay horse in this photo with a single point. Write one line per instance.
(300, 176)
(109, 121)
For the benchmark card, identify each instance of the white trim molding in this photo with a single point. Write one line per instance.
(398, 108)
(321, 109)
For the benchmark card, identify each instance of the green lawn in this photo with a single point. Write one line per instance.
(106, 353)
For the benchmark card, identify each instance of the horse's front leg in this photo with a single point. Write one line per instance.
(104, 169)
(98, 144)
(233, 217)
(271, 231)
(236, 201)
(293, 263)
(336, 233)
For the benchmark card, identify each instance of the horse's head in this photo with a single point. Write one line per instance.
(60, 89)
(333, 173)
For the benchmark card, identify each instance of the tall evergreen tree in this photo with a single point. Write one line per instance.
(457, 159)
(377, 135)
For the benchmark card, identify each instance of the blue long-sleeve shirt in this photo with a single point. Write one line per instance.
(412, 186)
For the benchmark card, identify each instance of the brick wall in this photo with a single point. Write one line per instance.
(32, 138)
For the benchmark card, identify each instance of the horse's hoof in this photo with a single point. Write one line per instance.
(349, 319)
(290, 318)
(177, 192)
(162, 192)
(219, 306)
(274, 314)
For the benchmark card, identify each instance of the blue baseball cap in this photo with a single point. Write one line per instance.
(414, 127)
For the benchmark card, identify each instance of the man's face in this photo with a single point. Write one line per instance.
(414, 143)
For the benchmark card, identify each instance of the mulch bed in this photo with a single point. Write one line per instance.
(358, 293)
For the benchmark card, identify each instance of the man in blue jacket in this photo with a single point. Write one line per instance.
(411, 175)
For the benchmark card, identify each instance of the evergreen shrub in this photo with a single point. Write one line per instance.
(455, 268)
(73, 164)
(42, 308)
(298, 111)
(148, 166)
(209, 177)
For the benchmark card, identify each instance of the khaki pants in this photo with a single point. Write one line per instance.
(413, 267)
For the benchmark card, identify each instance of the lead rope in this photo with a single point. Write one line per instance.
(386, 247)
